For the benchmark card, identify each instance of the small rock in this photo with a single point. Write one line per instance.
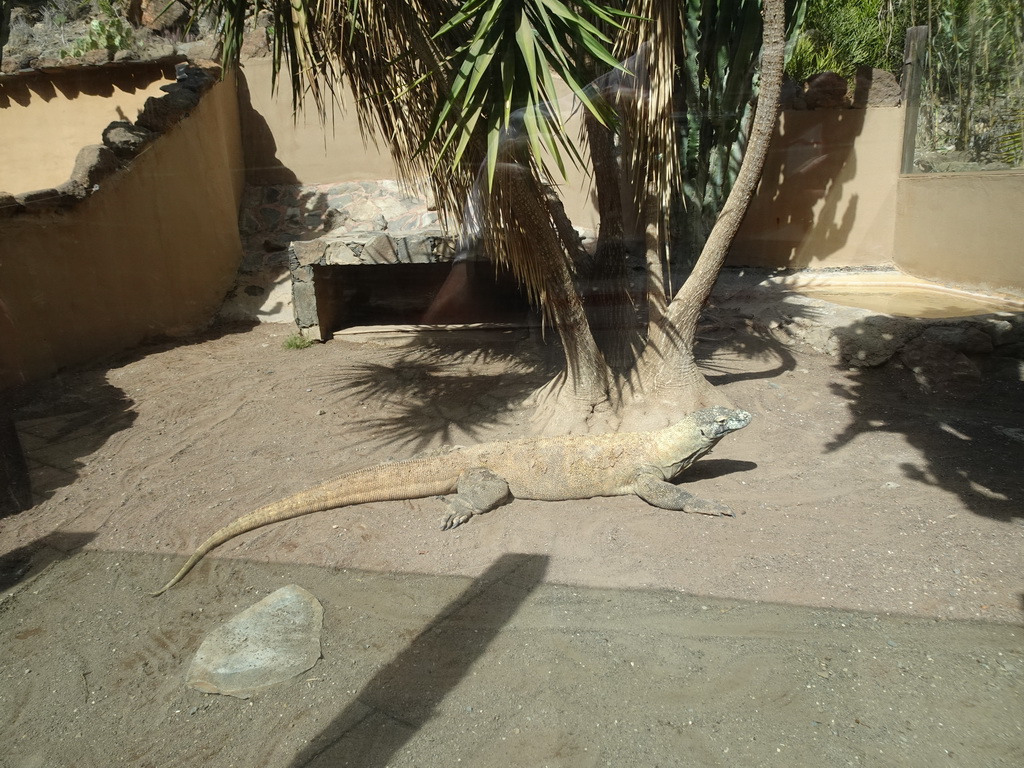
(876, 88)
(1008, 330)
(94, 163)
(365, 214)
(334, 219)
(256, 43)
(45, 199)
(159, 15)
(826, 91)
(97, 56)
(200, 50)
(125, 139)
(267, 643)
(380, 250)
(966, 339)
(939, 368)
(160, 49)
(160, 113)
(306, 252)
(193, 79)
(872, 340)
(339, 253)
(9, 205)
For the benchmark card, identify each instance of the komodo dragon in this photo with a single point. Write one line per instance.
(486, 476)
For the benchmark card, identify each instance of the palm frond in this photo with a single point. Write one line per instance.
(510, 58)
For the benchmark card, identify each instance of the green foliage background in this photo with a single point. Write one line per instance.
(974, 89)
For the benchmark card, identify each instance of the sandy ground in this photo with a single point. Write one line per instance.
(863, 608)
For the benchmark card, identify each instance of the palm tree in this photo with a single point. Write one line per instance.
(468, 96)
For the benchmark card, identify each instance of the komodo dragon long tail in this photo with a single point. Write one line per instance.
(484, 477)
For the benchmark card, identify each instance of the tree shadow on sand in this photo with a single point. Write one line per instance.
(445, 388)
(441, 387)
(969, 438)
(63, 419)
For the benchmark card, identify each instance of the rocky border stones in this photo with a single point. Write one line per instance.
(944, 355)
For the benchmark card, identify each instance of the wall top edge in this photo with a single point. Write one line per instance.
(166, 63)
(1017, 173)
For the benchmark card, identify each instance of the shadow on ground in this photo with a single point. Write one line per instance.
(63, 419)
(970, 443)
(441, 383)
(405, 693)
(23, 562)
(500, 671)
(438, 385)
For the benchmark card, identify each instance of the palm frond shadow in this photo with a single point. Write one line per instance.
(450, 387)
(726, 348)
(436, 392)
(749, 322)
(753, 321)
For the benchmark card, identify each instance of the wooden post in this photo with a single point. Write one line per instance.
(914, 56)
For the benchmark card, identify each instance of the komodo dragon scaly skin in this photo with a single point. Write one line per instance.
(484, 477)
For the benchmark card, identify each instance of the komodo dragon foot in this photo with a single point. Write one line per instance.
(479, 491)
(665, 495)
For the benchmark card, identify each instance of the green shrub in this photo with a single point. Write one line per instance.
(112, 32)
(841, 36)
(296, 341)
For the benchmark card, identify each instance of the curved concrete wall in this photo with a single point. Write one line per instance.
(46, 119)
(152, 252)
(284, 148)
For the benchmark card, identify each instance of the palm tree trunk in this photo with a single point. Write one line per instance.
(520, 231)
(668, 360)
(606, 285)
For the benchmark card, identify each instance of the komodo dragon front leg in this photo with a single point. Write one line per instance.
(660, 493)
(479, 491)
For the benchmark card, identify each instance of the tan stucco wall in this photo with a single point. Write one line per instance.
(152, 252)
(828, 194)
(44, 121)
(283, 149)
(963, 229)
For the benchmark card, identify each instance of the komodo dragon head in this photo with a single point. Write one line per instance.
(715, 423)
(695, 435)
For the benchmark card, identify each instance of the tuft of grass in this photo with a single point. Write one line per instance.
(296, 341)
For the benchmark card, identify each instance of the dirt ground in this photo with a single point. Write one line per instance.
(863, 608)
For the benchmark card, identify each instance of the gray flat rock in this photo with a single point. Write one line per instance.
(267, 643)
